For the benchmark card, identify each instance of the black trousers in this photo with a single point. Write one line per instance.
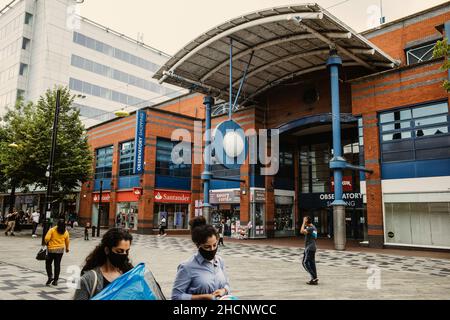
(221, 241)
(162, 230)
(35, 225)
(86, 236)
(309, 263)
(53, 257)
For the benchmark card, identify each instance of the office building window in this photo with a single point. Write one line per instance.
(23, 71)
(103, 163)
(164, 164)
(114, 52)
(94, 90)
(26, 44)
(419, 133)
(421, 54)
(28, 18)
(126, 166)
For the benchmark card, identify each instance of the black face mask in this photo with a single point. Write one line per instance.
(207, 255)
(116, 259)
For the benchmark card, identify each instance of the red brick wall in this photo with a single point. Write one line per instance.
(160, 123)
(394, 42)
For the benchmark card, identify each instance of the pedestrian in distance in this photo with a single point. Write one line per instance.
(35, 221)
(162, 227)
(106, 263)
(11, 222)
(203, 276)
(56, 240)
(309, 255)
(86, 231)
(221, 232)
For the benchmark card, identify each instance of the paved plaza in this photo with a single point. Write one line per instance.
(255, 271)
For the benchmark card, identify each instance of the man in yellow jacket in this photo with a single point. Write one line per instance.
(56, 239)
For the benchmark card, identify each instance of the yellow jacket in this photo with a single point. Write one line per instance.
(54, 240)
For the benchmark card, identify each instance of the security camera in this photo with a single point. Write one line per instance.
(296, 19)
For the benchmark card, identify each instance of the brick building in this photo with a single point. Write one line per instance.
(394, 116)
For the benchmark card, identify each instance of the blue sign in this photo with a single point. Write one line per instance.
(139, 144)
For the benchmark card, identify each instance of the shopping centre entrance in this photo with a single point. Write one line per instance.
(315, 189)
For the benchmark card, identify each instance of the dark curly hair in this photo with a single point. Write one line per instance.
(110, 239)
(201, 231)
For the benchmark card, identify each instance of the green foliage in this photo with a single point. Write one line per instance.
(442, 49)
(30, 126)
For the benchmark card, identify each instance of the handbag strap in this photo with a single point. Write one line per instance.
(94, 287)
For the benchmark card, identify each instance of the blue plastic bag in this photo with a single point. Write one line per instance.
(137, 284)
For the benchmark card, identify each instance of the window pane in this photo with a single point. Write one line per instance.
(395, 116)
(430, 110)
(396, 126)
(397, 136)
(431, 132)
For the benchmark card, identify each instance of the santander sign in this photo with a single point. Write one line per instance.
(172, 197)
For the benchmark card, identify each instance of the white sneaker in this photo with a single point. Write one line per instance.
(34, 236)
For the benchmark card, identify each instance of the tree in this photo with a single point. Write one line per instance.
(30, 126)
(442, 49)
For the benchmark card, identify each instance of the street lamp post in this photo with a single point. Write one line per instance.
(48, 200)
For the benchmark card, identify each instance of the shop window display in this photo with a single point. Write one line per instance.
(127, 215)
(177, 215)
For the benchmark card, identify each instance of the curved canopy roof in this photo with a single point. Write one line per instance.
(282, 43)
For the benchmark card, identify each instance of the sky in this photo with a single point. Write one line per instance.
(168, 25)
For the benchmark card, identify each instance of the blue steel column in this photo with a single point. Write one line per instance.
(207, 175)
(338, 163)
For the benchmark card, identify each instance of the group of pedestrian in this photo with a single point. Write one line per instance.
(15, 219)
(202, 277)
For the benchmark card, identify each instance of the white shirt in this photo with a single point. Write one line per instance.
(35, 215)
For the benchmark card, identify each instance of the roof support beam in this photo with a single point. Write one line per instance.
(331, 43)
(271, 43)
(284, 59)
(292, 76)
(253, 23)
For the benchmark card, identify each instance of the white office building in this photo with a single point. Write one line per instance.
(44, 43)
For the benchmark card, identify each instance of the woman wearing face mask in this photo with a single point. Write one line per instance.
(106, 263)
(203, 276)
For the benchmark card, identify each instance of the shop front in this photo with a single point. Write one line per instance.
(127, 212)
(284, 213)
(174, 206)
(258, 213)
(318, 206)
(226, 207)
(105, 204)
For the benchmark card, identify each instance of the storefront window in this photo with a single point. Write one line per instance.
(127, 215)
(177, 215)
(284, 216)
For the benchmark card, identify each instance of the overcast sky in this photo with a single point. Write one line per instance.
(170, 24)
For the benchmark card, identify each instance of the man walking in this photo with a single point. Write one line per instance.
(11, 225)
(162, 227)
(309, 257)
(35, 220)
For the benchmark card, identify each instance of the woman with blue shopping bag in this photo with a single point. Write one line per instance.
(105, 264)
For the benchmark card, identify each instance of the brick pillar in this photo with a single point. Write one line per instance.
(245, 198)
(86, 202)
(147, 200)
(373, 181)
(270, 206)
(114, 184)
